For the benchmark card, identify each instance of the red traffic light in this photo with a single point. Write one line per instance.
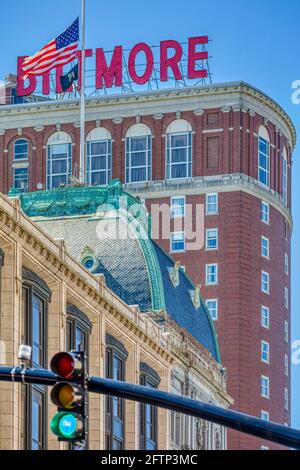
(67, 365)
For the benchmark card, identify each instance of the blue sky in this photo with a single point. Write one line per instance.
(254, 41)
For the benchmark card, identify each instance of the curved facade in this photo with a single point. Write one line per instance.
(229, 148)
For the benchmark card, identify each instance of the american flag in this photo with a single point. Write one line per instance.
(59, 51)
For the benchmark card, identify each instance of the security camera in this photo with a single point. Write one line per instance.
(24, 354)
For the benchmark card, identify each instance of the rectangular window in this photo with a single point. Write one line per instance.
(265, 247)
(285, 181)
(286, 298)
(265, 352)
(98, 162)
(265, 282)
(286, 399)
(37, 418)
(286, 331)
(212, 239)
(211, 274)
(265, 387)
(212, 204)
(286, 264)
(34, 308)
(264, 162)
(286, 365)
(148, 418)
(286, 230)
(138, 159)
(177, 242)
(177, 419)
(212, 306)
(265, 212)
(177, 207)
(59, 165)
(265, 317)
(179, 155)
(114, 406)
(20, 176)
(265, 415)
(38, 332)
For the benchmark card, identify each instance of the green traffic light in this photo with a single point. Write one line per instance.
(66, 425)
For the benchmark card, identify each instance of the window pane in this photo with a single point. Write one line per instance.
(179, 140)
(37, 420)
(21, 150)
(98, 163)
(138, 159)
(179, 155)
(37, 332)
(138, 143)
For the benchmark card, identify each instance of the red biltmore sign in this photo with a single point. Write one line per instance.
(109, 74)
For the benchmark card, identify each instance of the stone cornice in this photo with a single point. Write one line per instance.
(219, 183)
(22, 229)
(238, 95)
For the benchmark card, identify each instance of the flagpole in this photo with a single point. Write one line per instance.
(82, 99)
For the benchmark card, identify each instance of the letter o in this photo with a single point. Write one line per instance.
(141, 79)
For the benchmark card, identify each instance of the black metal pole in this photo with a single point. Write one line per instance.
(232, 419)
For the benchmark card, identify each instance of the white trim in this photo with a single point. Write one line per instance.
(206, 239)
(171, 240)
(208, 131)
(207, 203)
(265, 248)
(267, 379)
(261, 316)
(209, 283)
(266, 413)
(268, 282)
(178, 216)
(267, 205)
(216, 308)
(267, 352)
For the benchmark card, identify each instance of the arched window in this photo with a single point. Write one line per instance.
(284, 177)
(98, 157)
(264, 156)
(138, 154)
(59, 160)
(21, 149)
(179, 150)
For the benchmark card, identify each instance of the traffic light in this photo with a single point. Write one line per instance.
(70, 397)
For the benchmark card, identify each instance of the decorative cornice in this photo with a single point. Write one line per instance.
(224, 183)
(237, 94)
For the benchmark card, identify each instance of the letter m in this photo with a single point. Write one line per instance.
(109, 76)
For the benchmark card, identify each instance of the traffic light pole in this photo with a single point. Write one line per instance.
(232, 419)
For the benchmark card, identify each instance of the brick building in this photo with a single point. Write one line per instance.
(227, 147)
